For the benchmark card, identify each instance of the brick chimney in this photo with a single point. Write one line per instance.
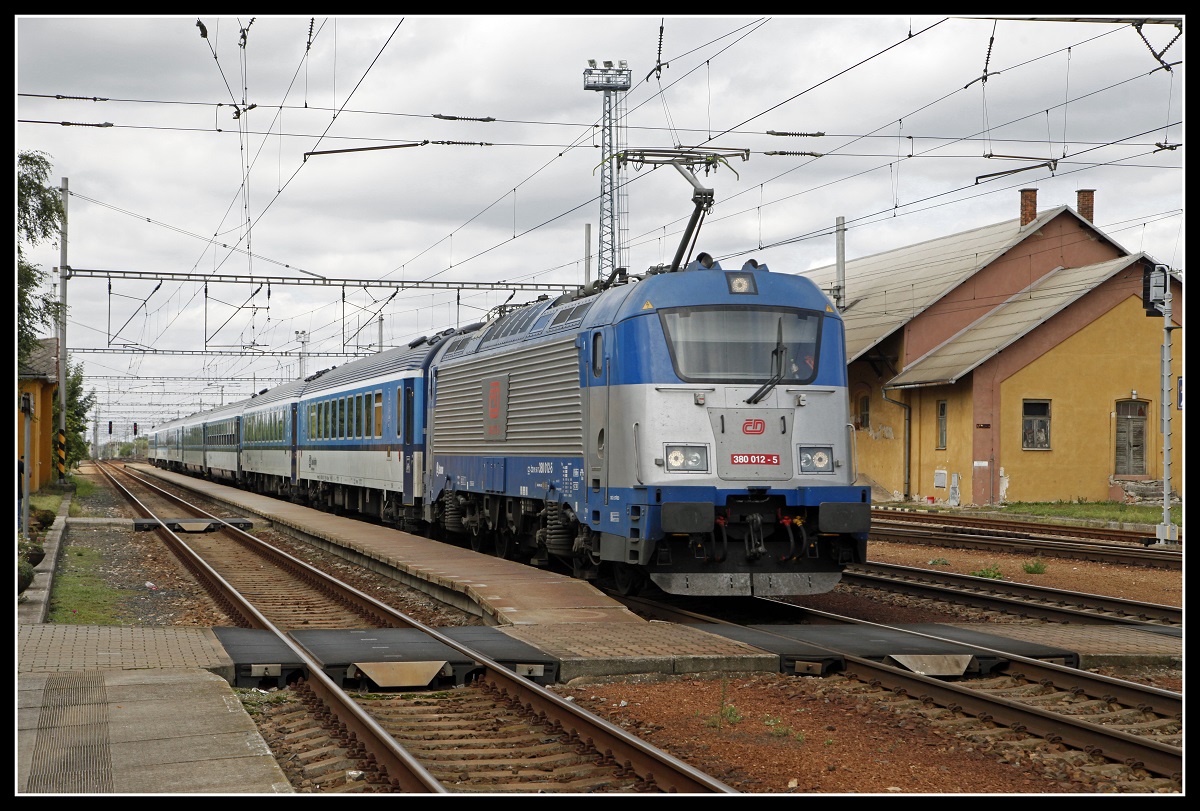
(1087, 203)
(1028, 206)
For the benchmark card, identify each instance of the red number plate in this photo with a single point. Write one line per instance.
(754, 459)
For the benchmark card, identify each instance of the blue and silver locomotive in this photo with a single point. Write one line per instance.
(687, 427)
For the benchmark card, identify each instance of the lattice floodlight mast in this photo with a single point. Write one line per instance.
(693, 158)
(613, 81)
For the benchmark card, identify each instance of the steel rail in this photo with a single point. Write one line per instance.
(650, 763)
(1019, 598)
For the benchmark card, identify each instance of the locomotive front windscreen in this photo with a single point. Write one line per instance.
(739, 344)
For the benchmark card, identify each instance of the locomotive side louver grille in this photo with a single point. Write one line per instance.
(544, 408)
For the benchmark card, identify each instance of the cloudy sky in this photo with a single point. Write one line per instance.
(257, 152)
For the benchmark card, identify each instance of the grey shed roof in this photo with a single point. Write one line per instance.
(42, 362)
(1007, 322)
(887, 290)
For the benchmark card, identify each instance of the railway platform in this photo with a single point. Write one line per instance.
(128, 710)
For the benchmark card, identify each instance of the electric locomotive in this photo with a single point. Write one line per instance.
(688, 428)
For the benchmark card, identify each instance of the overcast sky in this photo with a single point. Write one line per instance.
(186, 155)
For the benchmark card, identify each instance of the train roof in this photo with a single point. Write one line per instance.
(705, 281)
(413, 357)
(287, 391)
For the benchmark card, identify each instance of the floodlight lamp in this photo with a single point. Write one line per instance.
(623, 65)
(608, 63)
(591, 63)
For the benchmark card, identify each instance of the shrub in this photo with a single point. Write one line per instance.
(44, 519)
(24, 575)
(30, 550)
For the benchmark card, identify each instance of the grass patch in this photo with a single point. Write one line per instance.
(45, 501)
(992, 572)
(727, 713)
(1097, 510)
(80, 596)
(83, 489)
(1034, 567)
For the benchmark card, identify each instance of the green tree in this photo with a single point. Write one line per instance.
(39, 218)
(78, 406)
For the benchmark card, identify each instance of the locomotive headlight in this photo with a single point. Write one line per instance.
(741, 283)
(816, 459)
(687, 458)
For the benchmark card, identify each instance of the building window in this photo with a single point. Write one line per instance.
(864, 411)
(1131, 438)
(1035, 425)
(941, 424)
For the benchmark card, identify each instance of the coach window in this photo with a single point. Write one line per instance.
(597, 353)
(941, 424)
(1035, 425)
(378, 413)
(358, 416)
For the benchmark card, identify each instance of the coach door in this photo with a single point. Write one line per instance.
(294, 451)
(596, 430)
(408, 426)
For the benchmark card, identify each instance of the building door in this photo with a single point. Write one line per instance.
(1131, 438)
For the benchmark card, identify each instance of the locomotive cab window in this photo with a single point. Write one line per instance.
(743, 344)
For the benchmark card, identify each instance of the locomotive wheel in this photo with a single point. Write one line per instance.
(480, 541)
(629, 579)
(506, 544)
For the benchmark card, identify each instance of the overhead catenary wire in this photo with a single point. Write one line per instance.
(459, 260)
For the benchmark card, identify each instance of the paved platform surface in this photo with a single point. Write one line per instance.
(139, 732)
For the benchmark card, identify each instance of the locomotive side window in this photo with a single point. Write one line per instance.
(597, 353)
(740, 344)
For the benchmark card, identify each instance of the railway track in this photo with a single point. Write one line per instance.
(1090, 722)
(1055, 605)
(1124, 547)
(516, 735)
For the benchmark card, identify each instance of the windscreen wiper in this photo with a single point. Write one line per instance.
(778, 363)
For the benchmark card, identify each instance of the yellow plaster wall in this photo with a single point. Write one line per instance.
(956, 456)
(1084, 377)
(879, 446)
(39, 458)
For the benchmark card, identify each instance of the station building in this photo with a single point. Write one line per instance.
(1013, 362)
(38, 378)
